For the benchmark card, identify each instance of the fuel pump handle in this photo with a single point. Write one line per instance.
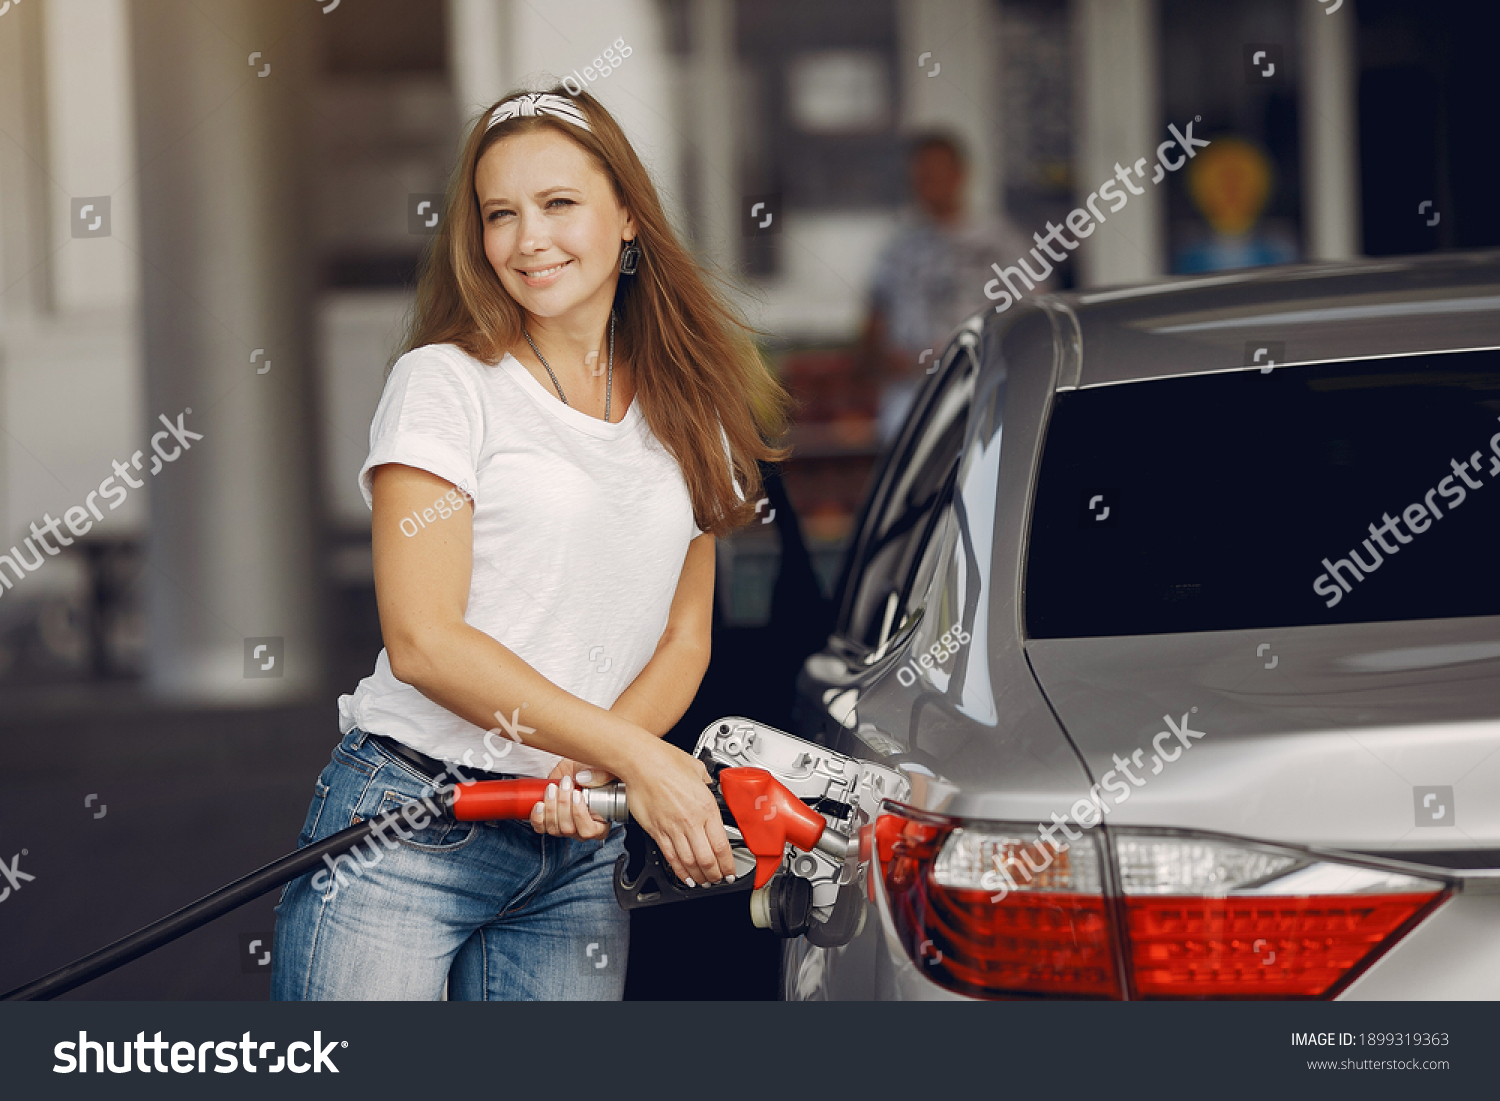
(490, 800)
(767, 814)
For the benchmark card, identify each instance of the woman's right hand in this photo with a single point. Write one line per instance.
(670, 797)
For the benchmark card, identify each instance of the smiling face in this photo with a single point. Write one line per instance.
(552, 225)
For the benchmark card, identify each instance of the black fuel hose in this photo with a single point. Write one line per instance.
(190, 917)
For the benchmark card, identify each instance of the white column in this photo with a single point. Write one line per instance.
(1330, 133)
(479, 53)
(89, 149)
(711, 76)
(24, 187)
(22, 221)
(1116, 110)
(227, 269)
(963, 39)
(73, 381)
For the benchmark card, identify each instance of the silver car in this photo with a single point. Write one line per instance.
(1179, 605)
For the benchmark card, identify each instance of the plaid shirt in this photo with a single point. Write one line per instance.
(930, 277)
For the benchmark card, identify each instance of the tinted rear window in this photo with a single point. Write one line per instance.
(1229, 497)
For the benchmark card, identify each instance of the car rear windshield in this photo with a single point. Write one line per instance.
(1335, 493)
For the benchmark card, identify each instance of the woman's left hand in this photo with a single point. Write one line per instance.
(562, 813)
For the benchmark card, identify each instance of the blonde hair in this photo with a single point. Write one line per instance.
(695, 360)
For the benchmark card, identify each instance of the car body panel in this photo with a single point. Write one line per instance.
(985, 718)
(1453, 955)
(1324, 748)
(1319, 312)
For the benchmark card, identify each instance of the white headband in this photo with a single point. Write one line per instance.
(539, 103)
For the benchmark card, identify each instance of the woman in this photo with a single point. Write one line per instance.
(569, 429)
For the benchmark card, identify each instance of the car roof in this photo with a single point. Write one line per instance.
(1298, 313)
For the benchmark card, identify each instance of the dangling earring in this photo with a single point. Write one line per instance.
(630, 258)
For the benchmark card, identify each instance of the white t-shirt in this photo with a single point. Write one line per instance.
(580, 532)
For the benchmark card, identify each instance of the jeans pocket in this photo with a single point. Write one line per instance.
(420, 829)
(314, 812)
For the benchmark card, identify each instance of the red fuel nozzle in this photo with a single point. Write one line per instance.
(492, 800)
(767, 813)
(489, 800)
(768, 816)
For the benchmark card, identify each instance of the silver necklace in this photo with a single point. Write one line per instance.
(609, 380)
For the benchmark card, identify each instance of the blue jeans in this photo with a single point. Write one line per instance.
(494, 909)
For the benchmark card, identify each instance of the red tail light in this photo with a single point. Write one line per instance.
(1214, 918)
(971, 939)
(989, 909)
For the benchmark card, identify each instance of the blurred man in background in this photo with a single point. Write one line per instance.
(929, 278)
